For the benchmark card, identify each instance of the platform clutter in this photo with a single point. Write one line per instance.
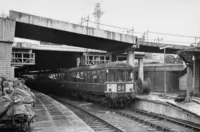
(17, 102)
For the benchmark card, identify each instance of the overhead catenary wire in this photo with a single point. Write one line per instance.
(177, 35)
(147, 32)
(154, 40)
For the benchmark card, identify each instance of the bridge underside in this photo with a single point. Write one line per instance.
(34, 32)
(44, 34)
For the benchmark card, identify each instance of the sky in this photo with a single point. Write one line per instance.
(164, 16)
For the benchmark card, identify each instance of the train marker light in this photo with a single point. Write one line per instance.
(131, 75)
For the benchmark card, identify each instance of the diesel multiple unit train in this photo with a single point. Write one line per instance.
(112, 83)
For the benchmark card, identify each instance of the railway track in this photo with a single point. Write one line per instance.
(96, 123)
(158, 122)
(152, 122)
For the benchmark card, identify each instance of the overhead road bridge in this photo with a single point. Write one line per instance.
(49, 30)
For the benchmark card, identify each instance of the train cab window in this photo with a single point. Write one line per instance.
(110, 75)
(129, 75)
(120, 75)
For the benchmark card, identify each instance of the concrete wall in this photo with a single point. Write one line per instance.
(157, 80)
(165, 109)
(7, 30)
(156, 74)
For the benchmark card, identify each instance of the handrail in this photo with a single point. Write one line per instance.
(23, 58)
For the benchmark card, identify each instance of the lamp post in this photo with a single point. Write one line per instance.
(165, 80)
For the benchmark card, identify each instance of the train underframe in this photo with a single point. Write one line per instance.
(112, 100)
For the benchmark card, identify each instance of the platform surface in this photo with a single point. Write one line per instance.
(193, 106)
(54, 117)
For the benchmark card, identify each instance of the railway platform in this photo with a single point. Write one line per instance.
(52, 116)
(193, 106)
(157, 103)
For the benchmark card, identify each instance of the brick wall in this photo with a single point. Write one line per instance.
(5, 59)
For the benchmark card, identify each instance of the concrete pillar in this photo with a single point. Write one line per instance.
(141, 69)
(189, 83)
(131, 58)
(196, 79)
(7, 30)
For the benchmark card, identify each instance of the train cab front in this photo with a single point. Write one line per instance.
(120, 91)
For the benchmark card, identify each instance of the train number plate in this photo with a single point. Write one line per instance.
(121, 88)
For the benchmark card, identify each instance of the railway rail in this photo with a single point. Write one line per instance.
(158, 122)
(96, 123)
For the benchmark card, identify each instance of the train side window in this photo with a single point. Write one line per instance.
(89, 76)
(75, 77)
(85, 76)
(59, 76)
(111, 75)
(70, 79)
(66, 76)
(94, 77)
(78, 77)
(98, 76)
(62, 76)
(81, 77)
(101, 75)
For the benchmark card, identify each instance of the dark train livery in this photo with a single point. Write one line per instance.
(111, 83)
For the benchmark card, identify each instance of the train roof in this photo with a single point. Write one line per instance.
(111, 65)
